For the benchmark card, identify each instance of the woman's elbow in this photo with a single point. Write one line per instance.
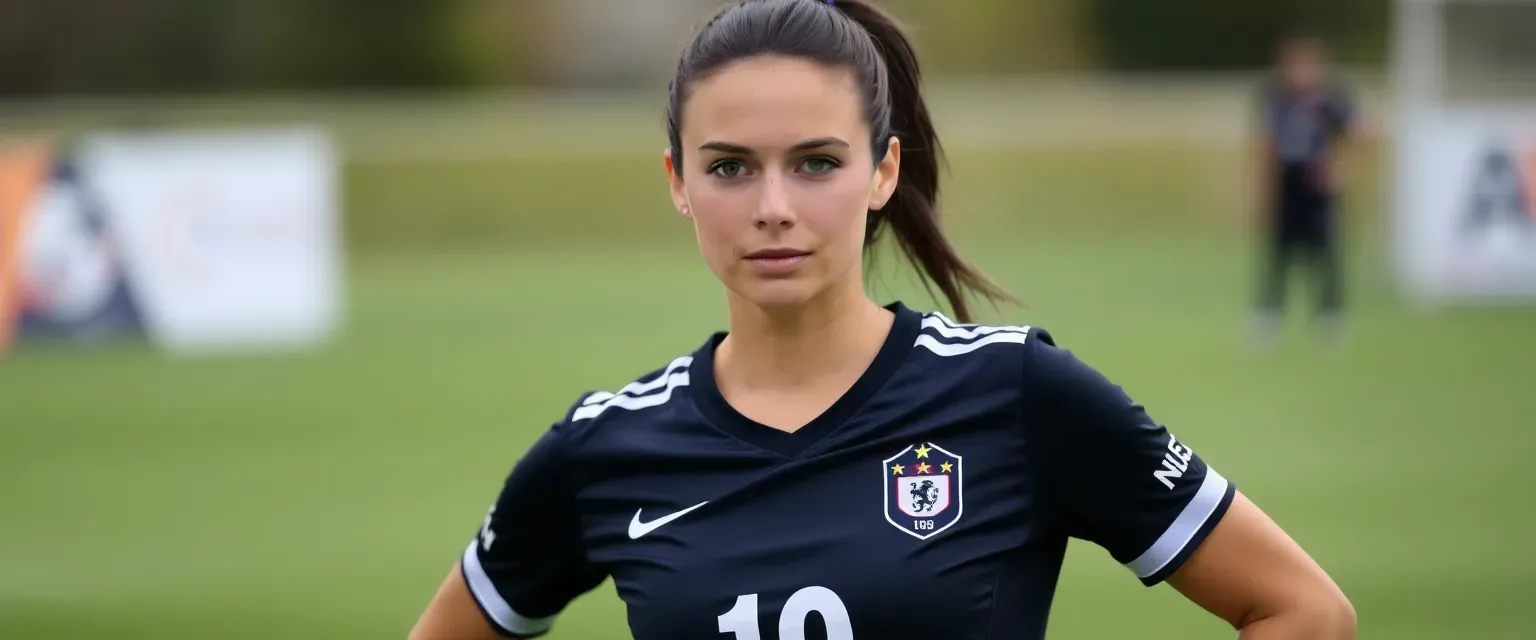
(1317, 616)
(1333, 617)
(1344, 613)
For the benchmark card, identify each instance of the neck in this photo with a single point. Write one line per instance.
(798, 348)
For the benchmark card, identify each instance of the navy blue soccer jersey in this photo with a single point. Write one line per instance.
(1305, 125)
(952, 474)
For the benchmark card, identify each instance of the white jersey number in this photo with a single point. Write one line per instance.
(741, 620)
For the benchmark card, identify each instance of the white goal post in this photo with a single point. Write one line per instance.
(1463, 170)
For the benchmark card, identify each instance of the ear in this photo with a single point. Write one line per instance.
(675, 184)
(886, 172)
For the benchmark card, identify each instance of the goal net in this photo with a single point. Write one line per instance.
(1464, 171)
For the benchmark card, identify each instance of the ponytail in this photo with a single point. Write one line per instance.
(912, 213)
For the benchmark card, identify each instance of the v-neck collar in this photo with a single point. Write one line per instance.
(710, 402)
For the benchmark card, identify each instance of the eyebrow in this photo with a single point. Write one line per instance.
(813, 143)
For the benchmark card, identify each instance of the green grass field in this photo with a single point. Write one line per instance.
(324, 495)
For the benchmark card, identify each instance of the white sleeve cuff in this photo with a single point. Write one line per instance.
(1213, 490)
(484, 592)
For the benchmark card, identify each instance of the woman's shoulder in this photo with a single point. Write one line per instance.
(645, 397)
(1027, 350)
(1028, 355)
(954, 342)
(651, 389)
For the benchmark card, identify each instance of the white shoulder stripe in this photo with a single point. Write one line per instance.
(484, 591)
(948, 350)
(672, 381)
(947, 328)
(641, 388)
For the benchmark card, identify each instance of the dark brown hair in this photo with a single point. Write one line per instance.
(851, 34)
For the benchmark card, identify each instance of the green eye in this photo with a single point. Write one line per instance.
(727, 168)
(819, 165)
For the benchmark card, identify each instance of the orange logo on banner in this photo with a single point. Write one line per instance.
(23, 171)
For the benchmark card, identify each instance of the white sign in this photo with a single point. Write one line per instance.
(1465, 211)
(231, 239)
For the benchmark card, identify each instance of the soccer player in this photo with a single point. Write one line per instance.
(835, 469)
(1307, 115)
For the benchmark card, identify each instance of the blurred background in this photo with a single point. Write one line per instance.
(286, 287)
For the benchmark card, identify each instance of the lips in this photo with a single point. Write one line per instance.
(777, 254)
(777, 262)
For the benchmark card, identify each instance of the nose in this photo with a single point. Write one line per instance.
(773, 208)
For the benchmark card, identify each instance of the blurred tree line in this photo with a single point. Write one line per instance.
(149, 46)
(1174, 34)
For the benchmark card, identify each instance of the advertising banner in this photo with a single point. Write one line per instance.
(212, 240)
(1465, 224)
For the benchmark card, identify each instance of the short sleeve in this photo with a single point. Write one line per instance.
(1111, 475)
(528, 560)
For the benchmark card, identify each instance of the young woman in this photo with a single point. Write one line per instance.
(828, 461)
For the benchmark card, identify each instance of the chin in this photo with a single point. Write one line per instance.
(778, 295)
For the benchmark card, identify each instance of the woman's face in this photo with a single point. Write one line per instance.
(778, 178)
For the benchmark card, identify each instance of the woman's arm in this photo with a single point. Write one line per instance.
(452, 613)
(1251, 574)
(513, 580)
(1259, 177)
(1116, 477)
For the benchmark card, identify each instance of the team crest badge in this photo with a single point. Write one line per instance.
(922, 490)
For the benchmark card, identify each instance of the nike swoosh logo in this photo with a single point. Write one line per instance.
(637, 529)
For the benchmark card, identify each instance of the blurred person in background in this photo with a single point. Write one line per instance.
(731, 493)
(1307, 118)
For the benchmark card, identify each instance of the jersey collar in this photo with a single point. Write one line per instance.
(710, 402)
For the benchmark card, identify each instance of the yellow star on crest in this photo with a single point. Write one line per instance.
(922, 451)
(896, 469)
(923, 468)
(946, 467)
